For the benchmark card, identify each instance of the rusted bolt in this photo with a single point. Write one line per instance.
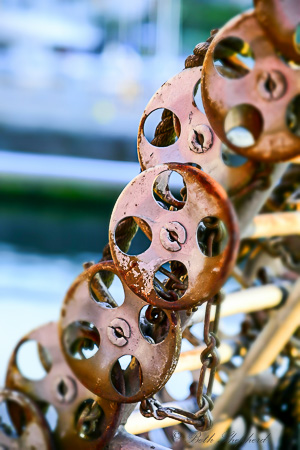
(88, 264)
(118, 332)
(172, 235)
(65, 389)
(200, 138)
(271, 85)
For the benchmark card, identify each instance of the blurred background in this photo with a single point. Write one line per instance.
(75, 77)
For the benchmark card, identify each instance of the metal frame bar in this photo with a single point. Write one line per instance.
(274, 224)
(244, 301)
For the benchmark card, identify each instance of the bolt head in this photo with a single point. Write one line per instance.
(65, 389)
(118, 332)
(167, 233)
(271, 85)
(200, 139)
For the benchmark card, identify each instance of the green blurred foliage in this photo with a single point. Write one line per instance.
(200, 17)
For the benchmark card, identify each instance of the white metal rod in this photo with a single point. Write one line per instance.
(190, 360)
(295, 160)
(245, 301)
(274, 224)
(254, 201)
(137, 423)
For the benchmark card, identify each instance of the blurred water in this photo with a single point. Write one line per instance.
(32, 288)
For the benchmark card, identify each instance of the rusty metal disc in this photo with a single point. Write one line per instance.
(205, 199)
(34, 432)
(280, 19)
(66, 394)
(263, 100)
(177, 95)
(119, 334)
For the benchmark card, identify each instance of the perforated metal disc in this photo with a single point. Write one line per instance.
(61, 389)
(205, 198)
(254, 101)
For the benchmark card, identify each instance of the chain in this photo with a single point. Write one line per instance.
(202, 419)
(276, 247)
(285, 195)
(261, 181)
(88, 419)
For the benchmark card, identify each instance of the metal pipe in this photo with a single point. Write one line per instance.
(244, 301)
(275, 224)
(190, 360)
(295, 160)
(137, 423)
(252, 204)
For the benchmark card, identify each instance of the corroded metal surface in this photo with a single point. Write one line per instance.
(35, 435)
(157, 361)
(280, 19)
(61, 389)
(205, 198)
(267, 123)
(177, 95)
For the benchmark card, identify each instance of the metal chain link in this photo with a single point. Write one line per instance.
(88, 419)
(202, 420)
(276, 247)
